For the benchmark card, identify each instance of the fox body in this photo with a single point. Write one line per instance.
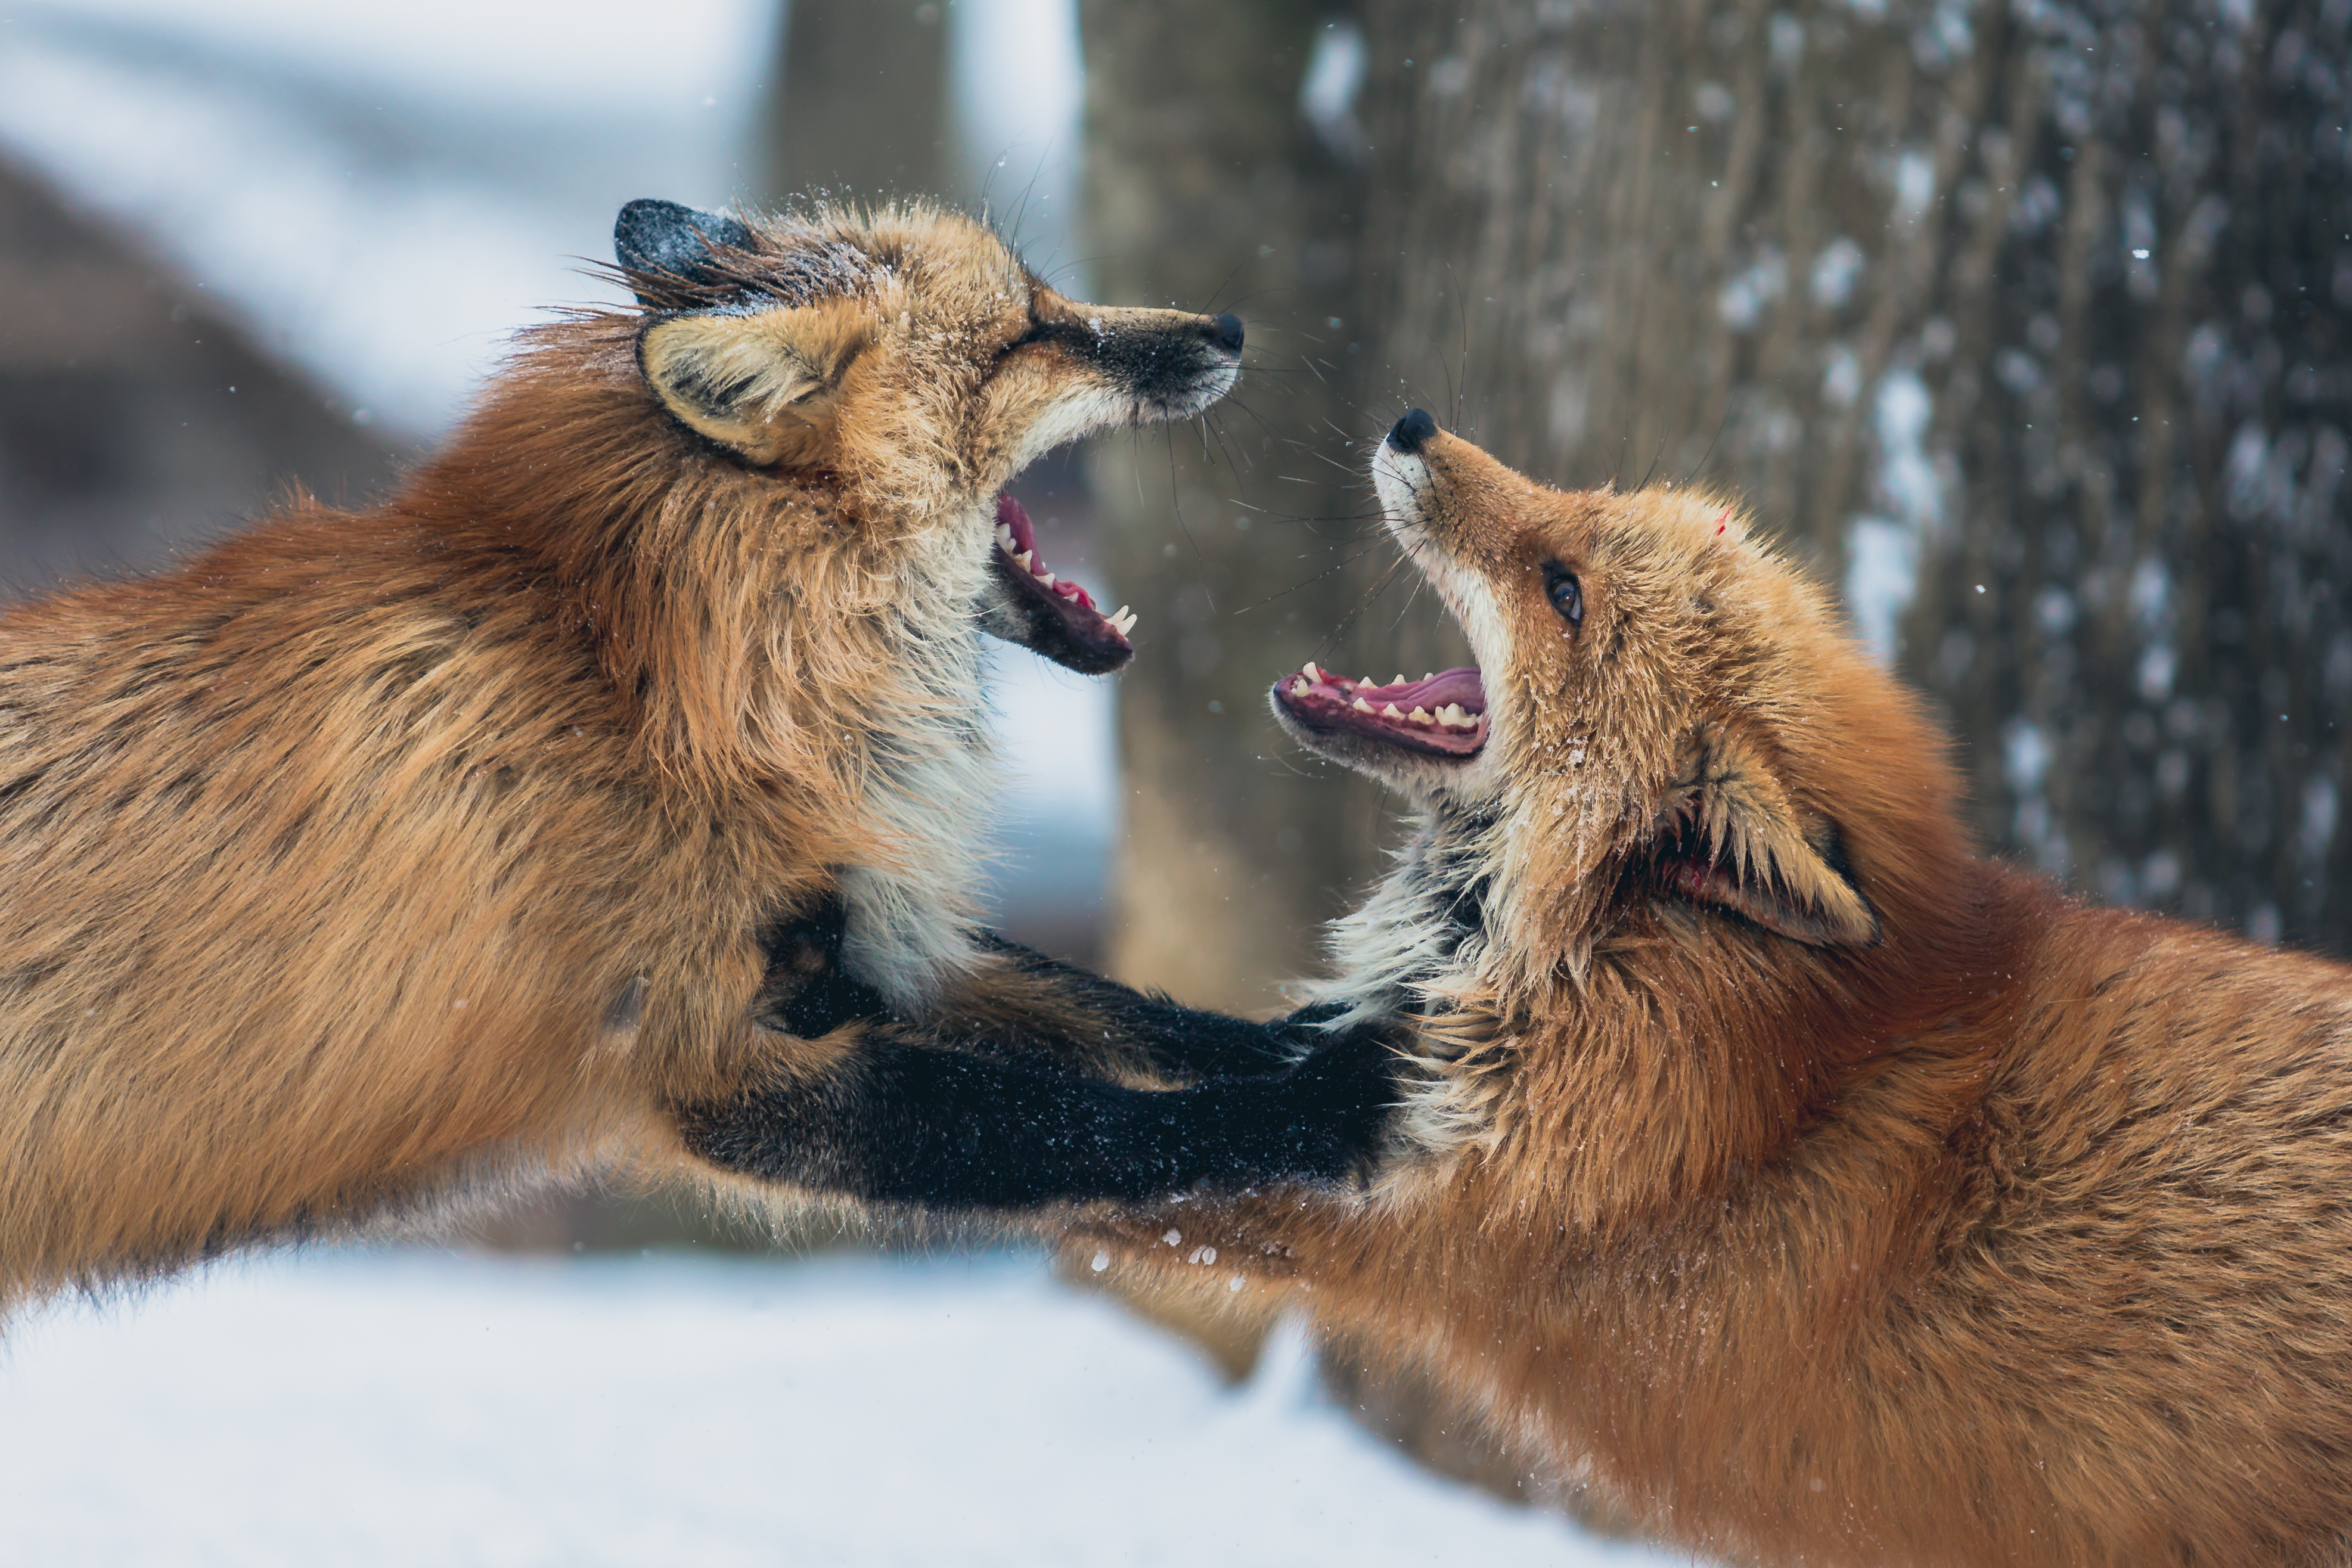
(1757, 1151)
(1826, 1191)
(364, 858)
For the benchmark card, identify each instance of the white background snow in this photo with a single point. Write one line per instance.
(409, 1408)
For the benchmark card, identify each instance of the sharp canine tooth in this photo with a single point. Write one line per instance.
(1298, 686)
(1023, 559)
(1004, 537)
(1421, 716)
(1309, 671)
(1363, 707)
(1390, 712)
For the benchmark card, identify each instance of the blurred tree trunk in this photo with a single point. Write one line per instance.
(2026, 325)
(864, 106)
(1206, 188)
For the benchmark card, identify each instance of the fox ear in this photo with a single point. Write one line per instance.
(1735, 840)
(762, 384)
(665, 239)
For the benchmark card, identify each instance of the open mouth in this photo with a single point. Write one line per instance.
(1053, 616)
(1441, 715)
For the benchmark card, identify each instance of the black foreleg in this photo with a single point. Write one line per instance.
(1071, 1013)
(894, 1122)
(1021, 1002)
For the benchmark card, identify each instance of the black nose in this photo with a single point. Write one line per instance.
(1413, 430)
(1225, 332)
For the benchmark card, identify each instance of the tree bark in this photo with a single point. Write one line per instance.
(1205, 189)
(863, 113)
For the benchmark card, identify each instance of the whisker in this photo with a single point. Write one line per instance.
(1309, 581)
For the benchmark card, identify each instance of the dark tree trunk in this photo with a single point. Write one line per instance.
(2027, 328)
(862, 110)
(1205, 188)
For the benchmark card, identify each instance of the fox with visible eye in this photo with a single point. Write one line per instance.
(1768, 1158)
(366, 859)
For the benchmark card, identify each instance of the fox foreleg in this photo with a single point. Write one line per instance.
(1020, 1090)
(1029, 1001)
(891, 1120)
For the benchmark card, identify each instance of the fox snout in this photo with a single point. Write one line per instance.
(1172, 363)
(1431, 479)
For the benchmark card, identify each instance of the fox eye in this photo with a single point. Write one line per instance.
(1566, 594)
(1037, 333)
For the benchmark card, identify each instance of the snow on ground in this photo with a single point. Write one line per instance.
(407, 1408)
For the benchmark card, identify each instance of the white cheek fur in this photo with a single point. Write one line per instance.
(1080, 411)
(1402, 481)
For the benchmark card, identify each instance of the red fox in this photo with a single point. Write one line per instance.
(364, 860)
(1765, 1155)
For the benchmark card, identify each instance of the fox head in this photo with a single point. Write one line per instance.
(912, 363)
(1670, 731)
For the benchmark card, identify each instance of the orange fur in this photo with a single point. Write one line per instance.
(2011, 1231)
(365, 857)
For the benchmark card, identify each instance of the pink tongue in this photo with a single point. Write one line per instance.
(1010, 514)
(1446, 686)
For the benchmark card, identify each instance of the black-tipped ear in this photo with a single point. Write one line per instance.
(665, 236)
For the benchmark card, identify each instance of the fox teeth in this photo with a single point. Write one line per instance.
(1398, 682)
(1310, 671)
(1021, 558)
(1298, 686)
(1421, 716)
(1122, 620)
(1390, 712)
(1005, 539)
(1363, 707)
(1045, 578)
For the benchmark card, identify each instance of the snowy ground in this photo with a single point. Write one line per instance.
(409, 1408)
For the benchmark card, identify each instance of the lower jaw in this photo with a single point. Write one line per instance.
(1053, 619)
(1070, 636)
(1370, 721)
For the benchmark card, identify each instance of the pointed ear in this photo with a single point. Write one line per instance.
(1735, 840)
(665, 239)
(763, 384)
